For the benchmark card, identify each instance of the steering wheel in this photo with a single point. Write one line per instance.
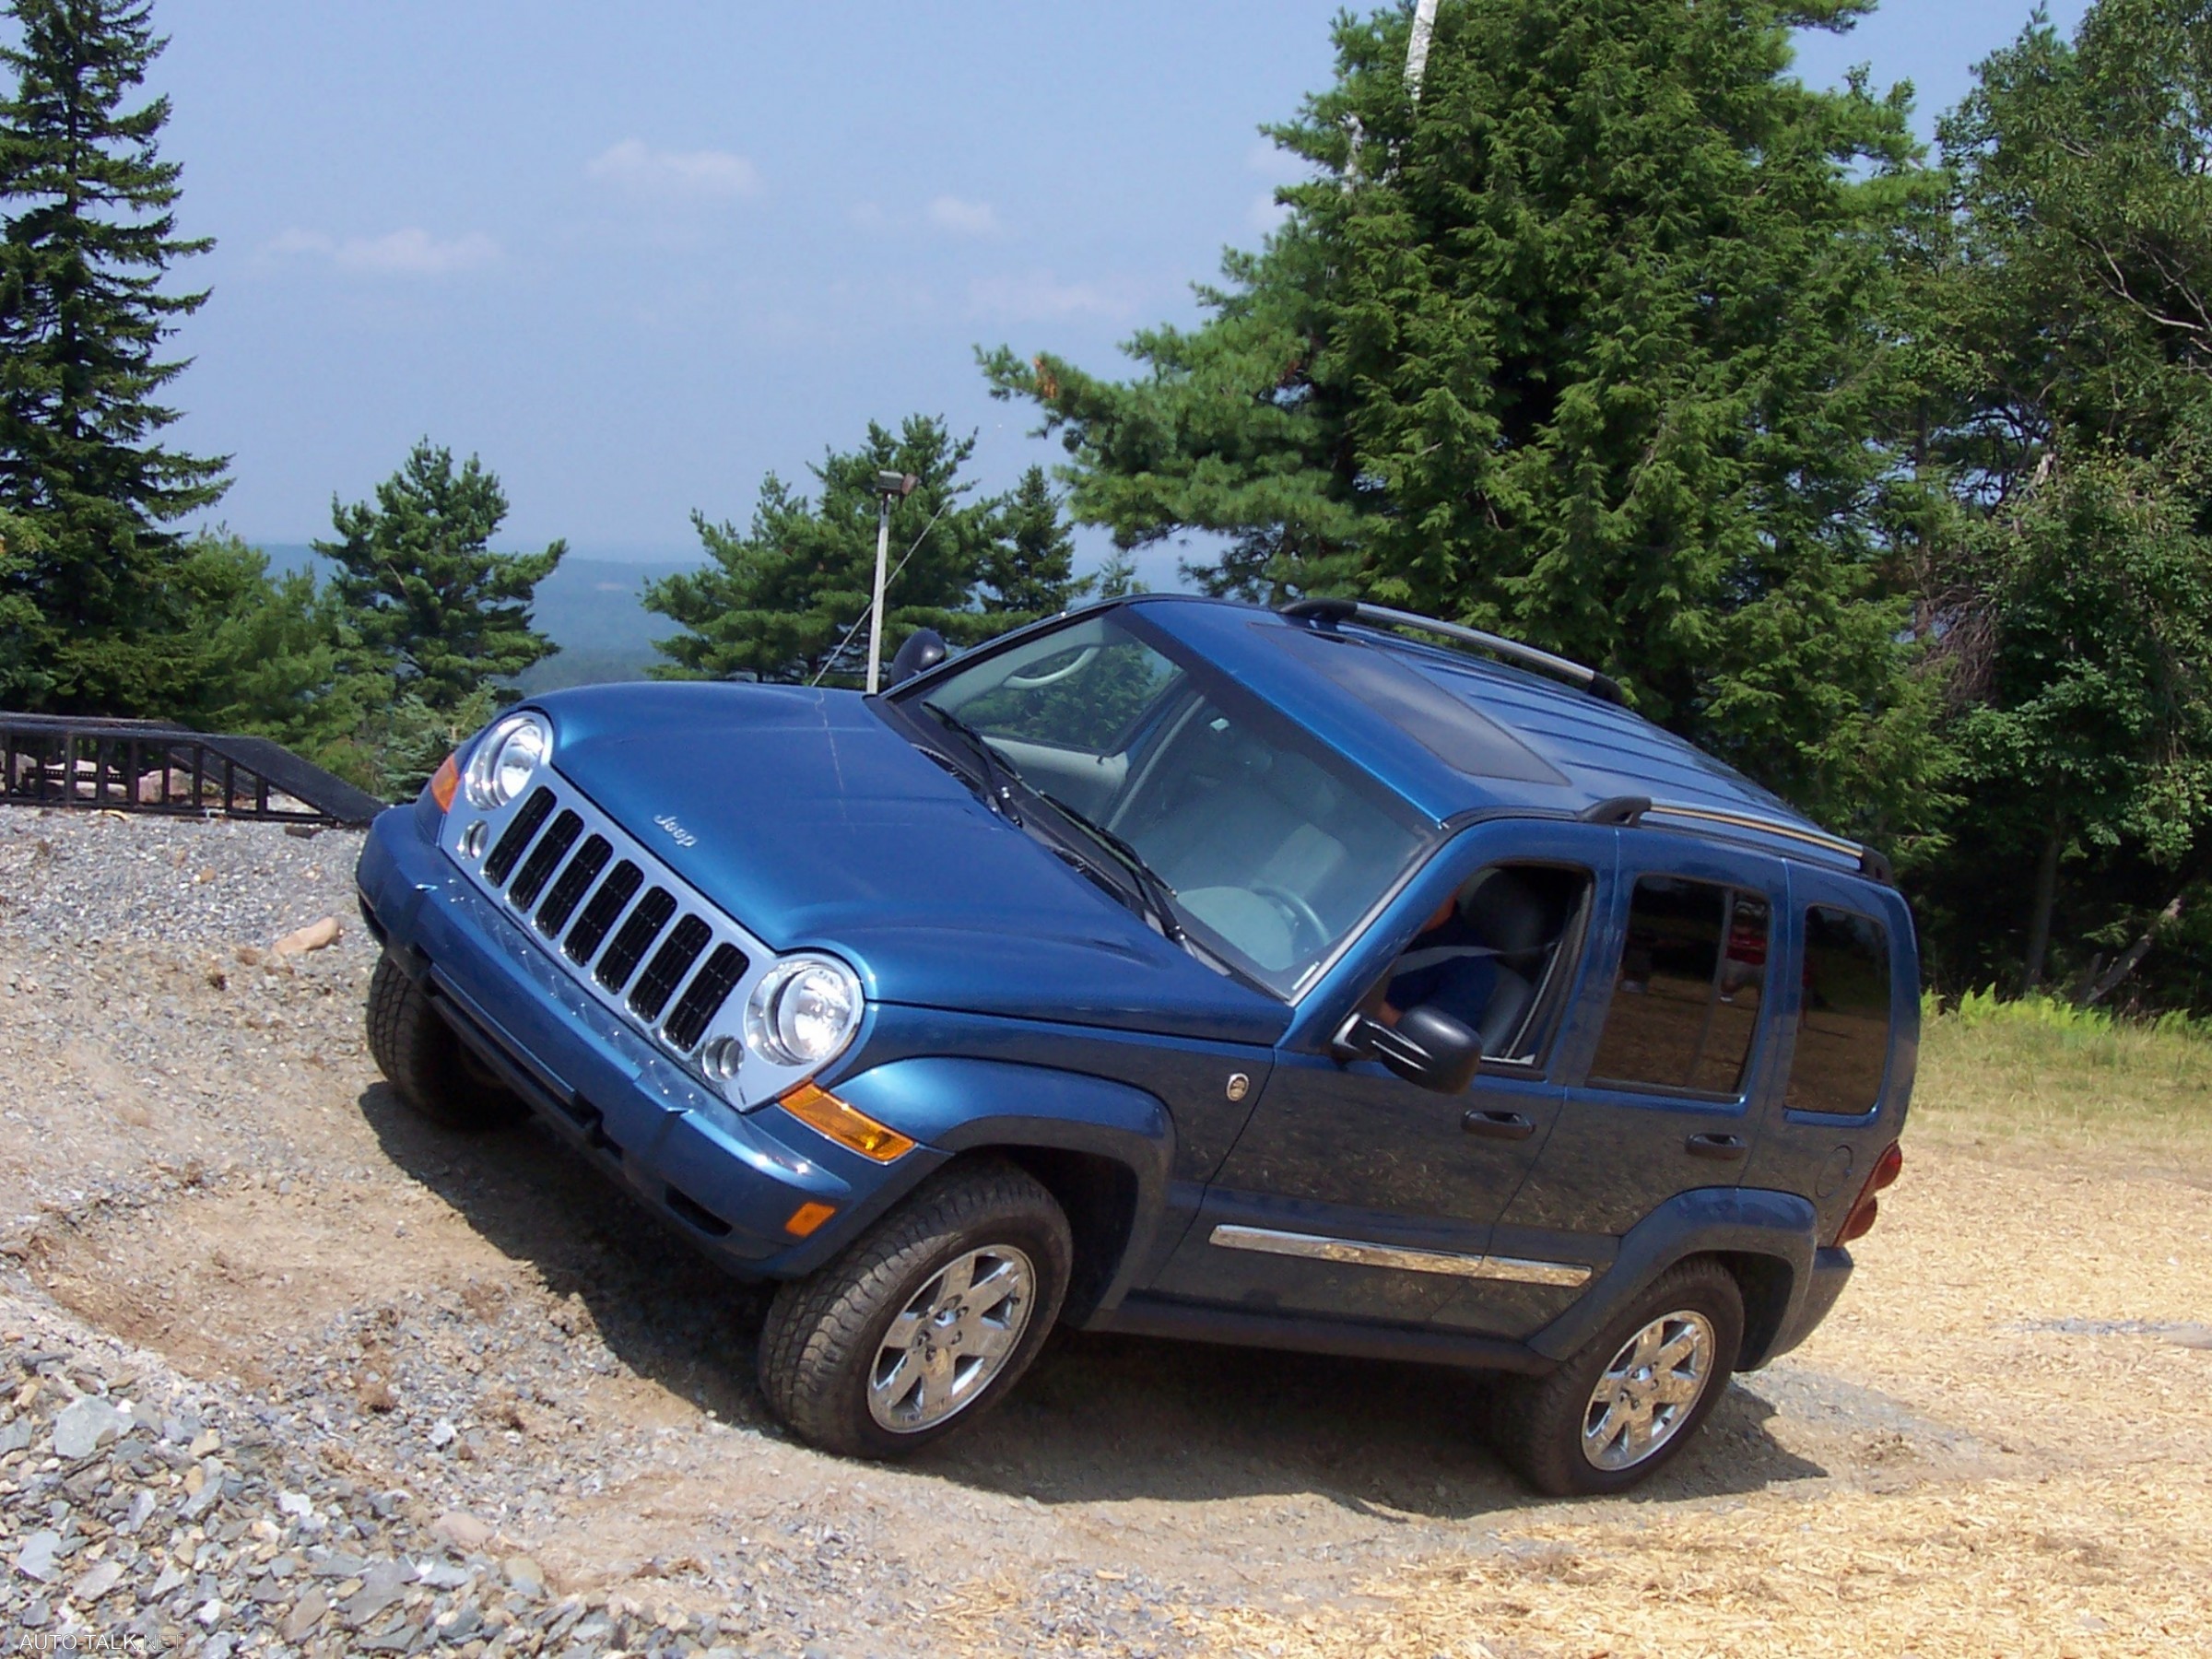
(1037, 682)
(1295, 909)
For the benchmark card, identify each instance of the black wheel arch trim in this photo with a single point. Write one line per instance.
(1749, 1228)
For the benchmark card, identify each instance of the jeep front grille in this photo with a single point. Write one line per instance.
(643, 942)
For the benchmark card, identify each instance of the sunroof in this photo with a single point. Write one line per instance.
(1459, 734)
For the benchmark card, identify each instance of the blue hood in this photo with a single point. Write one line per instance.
(817, 826)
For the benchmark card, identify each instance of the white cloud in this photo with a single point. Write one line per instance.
(412, 252)
(1038, 297)
(963, 218)
(636, 168)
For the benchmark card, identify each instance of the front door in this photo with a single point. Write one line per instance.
(1353, 1194)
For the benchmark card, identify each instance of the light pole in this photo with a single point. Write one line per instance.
(889, 486)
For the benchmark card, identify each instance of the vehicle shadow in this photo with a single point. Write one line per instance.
(1098, 1418)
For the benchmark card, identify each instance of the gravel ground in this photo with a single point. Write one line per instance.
(284, 1370)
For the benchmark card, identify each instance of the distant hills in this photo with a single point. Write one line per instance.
(589, 606)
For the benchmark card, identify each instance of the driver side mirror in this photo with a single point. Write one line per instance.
(924, 649)
(1424, 1047)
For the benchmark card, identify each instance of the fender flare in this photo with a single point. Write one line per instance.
(1732, 1222)
(953, 1106)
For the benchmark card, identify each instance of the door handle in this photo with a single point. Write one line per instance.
(1726, 1148)
(1499, 1125)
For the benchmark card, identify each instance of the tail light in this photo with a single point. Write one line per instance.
(1860, 1222)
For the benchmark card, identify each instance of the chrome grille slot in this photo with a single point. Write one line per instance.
(669, 965)
(530, 880)
(599, 916)
(637, 936)
(518, 835)
(703, 997)
(611, 913)
(572, 884)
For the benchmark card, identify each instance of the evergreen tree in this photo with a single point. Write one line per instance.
(1028, 571)
(1585, 344)
(89, 235)
(787, 598)
(433, 606)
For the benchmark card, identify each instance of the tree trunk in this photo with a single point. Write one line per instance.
(2132, 957)
(2046, 899)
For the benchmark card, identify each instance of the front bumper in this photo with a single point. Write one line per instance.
(729, 1181)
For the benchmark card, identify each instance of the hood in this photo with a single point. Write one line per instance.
(817, 826)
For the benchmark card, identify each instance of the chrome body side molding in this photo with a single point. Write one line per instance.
(1513, 1270)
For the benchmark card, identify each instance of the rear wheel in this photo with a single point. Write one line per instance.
(926, 1321)
(427, 1064)
(1627, 1401)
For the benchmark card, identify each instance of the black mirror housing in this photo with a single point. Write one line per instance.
(1426, 1047)
(924, 649)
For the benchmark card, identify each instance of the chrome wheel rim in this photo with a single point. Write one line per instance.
(954, 1337)
(1647, 1393)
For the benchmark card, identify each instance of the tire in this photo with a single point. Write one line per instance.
(429, 1066)
(1540, 1423)
(829, 1340)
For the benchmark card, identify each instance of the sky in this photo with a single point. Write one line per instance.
(637, 257)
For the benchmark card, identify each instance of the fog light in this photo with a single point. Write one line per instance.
(721, 1058)
(472, 840)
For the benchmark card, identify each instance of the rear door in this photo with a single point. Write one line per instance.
(1675, 1034)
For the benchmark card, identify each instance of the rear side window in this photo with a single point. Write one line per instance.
(1843, 1032)
(1693, 975)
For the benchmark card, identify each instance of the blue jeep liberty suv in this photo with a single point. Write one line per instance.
(1329, 979)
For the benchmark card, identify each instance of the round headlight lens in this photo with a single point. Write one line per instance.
(507, 759)
(803, 1012)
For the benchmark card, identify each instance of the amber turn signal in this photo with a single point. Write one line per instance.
(808, 1218)
(445, 782)
(819, 1109)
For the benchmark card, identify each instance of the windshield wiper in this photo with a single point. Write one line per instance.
(998, 777)
(1158, 896)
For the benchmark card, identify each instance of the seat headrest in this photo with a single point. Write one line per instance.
(1508, 911)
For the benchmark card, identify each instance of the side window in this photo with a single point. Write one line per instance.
(1495, 956)
(1693, 974)
(1844, 1031)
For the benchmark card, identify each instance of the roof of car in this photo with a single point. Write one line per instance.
(1498, 737)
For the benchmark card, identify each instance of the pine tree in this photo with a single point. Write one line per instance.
(787, 598)
(1029, 570)
(433, 606)
(89, 236)
(1586, 344)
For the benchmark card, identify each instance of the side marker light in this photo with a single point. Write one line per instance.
(807, 1219)
(445, 782)
(819, 1109)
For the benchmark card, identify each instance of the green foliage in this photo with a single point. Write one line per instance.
(23, 683)
(89, 236)
(782, 598)
(433, 606)
(2066, 309)
(1587, 347)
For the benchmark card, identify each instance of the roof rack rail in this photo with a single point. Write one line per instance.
(1630, 810)
(1333, 611)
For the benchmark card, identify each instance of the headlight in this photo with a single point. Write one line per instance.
(507, 759)
(803, 1012)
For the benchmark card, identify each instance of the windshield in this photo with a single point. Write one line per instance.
(1273, 847)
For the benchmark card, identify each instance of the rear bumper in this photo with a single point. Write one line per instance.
(728, 1181)
(1831, 1272)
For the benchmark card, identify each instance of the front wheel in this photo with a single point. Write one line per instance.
(432, 1068)
(1629, 1399)
(926, 1321)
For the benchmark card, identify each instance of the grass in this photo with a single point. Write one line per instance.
(2039, 1070)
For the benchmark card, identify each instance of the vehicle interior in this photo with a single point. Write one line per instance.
(1497, 956)
(1268, 844)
